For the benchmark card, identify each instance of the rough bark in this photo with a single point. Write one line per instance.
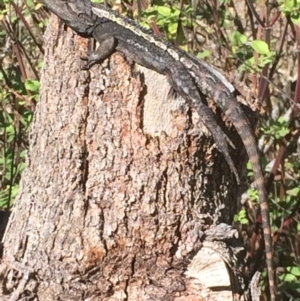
(122, 181)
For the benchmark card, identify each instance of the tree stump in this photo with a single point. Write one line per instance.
(122, 187)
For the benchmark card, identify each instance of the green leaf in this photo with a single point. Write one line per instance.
(203, 54)
(164, 11)
(260, 47)
(295, 270)
(238, 39)
(253, 194)
(296, 19)
(293, 192)
(288, 6)
(97, 1)
(244, 221)
(241, 217)
(242, 213)
(172, 27)
(30, 3)
(32, 85)
(282, 133)
(288, 277)
(282, 120)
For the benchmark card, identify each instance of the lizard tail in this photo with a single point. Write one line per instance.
(240, 121)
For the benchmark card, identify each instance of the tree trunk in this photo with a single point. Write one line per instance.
(122, 181)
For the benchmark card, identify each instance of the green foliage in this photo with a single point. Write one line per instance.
(291, 8)
(241, 217)
(166, 18)
(97, 1)
(276, 129)
(238, 40)
(246, 51)
(290, 279)
(202, 55)
(32, 85)
(19, 88)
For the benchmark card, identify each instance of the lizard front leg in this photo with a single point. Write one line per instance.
(106, 48)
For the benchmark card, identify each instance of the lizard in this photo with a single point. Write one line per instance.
(190, 77)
